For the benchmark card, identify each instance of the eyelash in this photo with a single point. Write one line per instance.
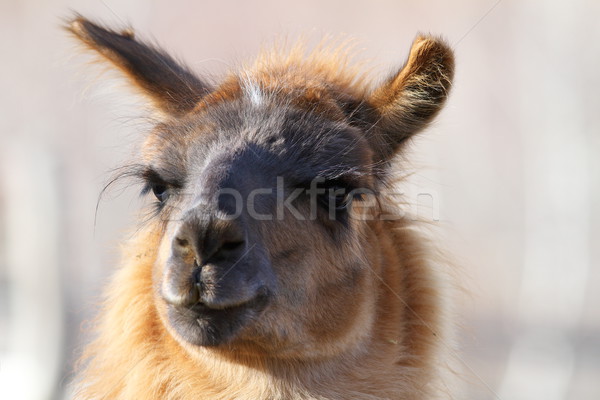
(154, 183)
(342, 200)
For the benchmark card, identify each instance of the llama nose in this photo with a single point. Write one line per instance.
(196, 252)
(220, 240)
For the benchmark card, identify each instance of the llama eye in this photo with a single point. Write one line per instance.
(161, 191)
(155, 183)
(336, 197)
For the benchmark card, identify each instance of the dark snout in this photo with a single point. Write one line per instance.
(218, 277)
(215, 265)
(215, 278)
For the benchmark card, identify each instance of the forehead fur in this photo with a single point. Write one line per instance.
(317, 79)
(284, 139)
(329, 62)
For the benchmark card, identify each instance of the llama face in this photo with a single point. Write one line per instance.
(260, 197)
(266, 189)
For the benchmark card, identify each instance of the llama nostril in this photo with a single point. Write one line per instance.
(231, 246)
(182, 242)
(227, 249)
(182, 247)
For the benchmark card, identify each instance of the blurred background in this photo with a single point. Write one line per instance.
(511, 164)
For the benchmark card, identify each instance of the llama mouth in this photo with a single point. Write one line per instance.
(209, 326)
(202, 309)
(210, 303)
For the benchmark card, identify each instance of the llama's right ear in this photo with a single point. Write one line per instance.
(170, 86)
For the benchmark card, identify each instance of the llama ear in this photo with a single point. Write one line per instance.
(411, 98)
(171, 87)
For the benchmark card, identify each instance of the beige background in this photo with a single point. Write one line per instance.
(511, 163)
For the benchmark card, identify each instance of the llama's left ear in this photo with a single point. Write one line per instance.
(171, 87)
(411, 98)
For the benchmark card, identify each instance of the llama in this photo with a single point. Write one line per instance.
(266, 270)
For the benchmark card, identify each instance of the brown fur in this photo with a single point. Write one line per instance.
(358, 314)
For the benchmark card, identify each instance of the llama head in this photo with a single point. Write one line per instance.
(266, 190)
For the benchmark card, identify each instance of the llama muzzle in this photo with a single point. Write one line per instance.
(215, 278)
